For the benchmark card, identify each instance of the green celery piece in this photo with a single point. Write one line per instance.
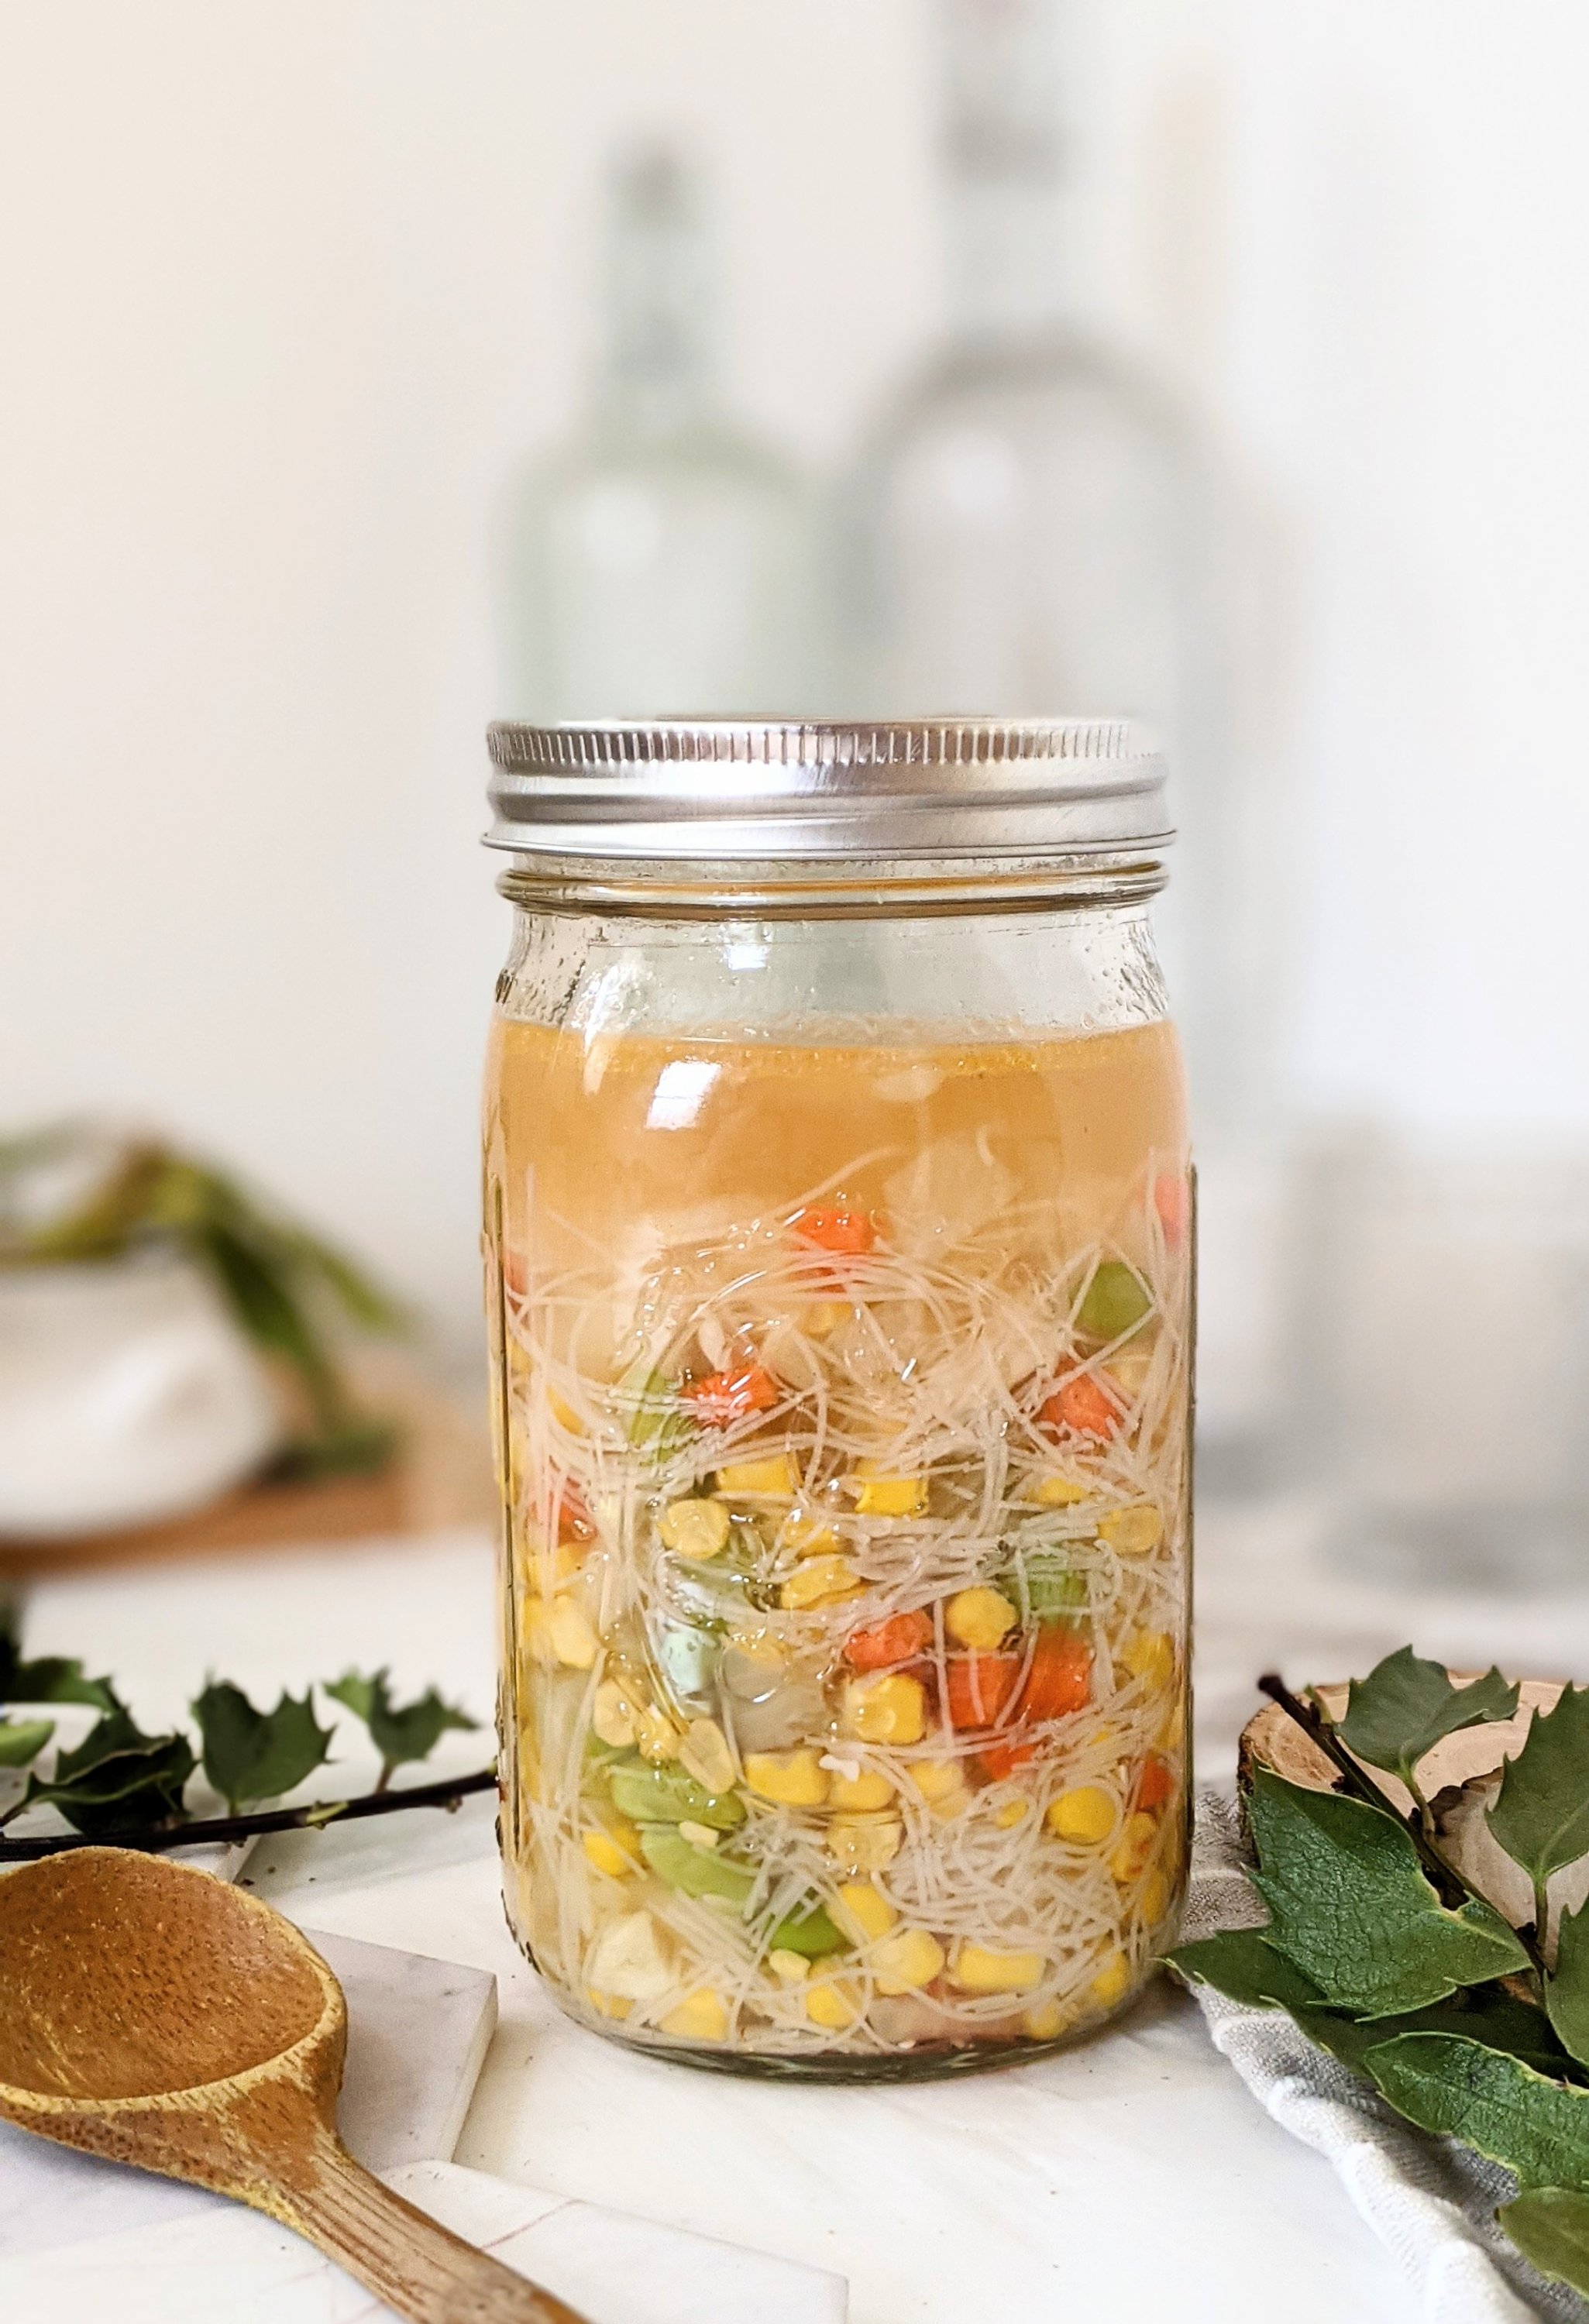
(1401, 1709)
(666, 1794)
(1550, 2226)
(1351, 1908)
(1238, 1963)
(1461, 2089)
(117, 1778)
(1117, 1299)
(1541, 1815)
(1567, 1989)
(22, 1739)
(695, 1871)
(251, 1755)
(812, 1932)
(1054, 1587)
(655, 1423)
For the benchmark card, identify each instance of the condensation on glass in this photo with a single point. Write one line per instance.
(838, 1228)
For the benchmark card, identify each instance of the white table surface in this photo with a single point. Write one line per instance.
(1132, 2176)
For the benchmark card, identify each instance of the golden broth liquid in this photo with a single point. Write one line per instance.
(843, 1428)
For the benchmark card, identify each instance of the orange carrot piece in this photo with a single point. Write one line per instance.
(837, 1227)
(725, 1396)
(896, 1640)
(1082, 1405)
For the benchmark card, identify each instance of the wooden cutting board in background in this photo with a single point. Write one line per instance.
(442, 1477)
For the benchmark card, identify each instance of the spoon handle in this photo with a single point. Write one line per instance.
(421, 2269)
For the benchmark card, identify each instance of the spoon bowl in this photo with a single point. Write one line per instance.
(158, 2017)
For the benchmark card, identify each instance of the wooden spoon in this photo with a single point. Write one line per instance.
(158, 2015)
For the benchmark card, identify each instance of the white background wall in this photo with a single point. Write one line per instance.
(291, 289)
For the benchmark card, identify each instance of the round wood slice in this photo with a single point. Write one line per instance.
(1272, 1739)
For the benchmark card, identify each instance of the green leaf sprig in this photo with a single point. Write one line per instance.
(119, 1785)
(399, 1733)
(1383, 1951)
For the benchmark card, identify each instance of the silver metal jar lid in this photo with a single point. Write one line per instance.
(826, 791)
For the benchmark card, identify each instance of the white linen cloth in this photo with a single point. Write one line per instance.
(1430, 2201)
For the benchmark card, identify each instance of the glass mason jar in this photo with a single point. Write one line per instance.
(838, 1225)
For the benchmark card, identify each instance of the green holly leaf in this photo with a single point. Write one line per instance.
(1485, 2013)
(1402, 1709)
(51, 1678)
(1550, 2226)
(118, 1778)
(1461, 2089)
(1567, 1989)
(1238, 1963)
(1541, 1815)
(399, 1732)
(22, 1739)
(253, 1754)
(1351, 1908)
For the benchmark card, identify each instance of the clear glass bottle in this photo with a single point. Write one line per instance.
(662, 561)
(837, 1211)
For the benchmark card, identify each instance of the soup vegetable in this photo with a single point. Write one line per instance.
(843, 1410)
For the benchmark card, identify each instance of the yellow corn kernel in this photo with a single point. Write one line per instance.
(904, 1963)
(1056, 1491)
(701, 2016)
(825, 1315)
(808, 1536)
(935, 1779)
(863, 1912)
(699, 1835)
(855, 1794)
(1132, 1531)
(1085, 1816)
(981, 1619)
(551, 1567)
(793, 1779)
(980, 1969)
(1112, 1981)
(819, 1582)
(885, 1496)
(791, 1969)
(558, 1630)
(613, 1715)
(603, 1850)
(1149, 1654)
(655, 1734)
(771, 1480)
(1012, 1812)
(833, 2003)
(1045, 2021)
(697, 1529)
(1130, 1370)
(865, 1843)
(942, 1784)
(891, 1708)
(1154, 1901)
(611, 2004)
(1129, 1857)
(1170, 1735)
(705, 1754)
(564, 1414)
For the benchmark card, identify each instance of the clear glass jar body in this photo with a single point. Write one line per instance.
(840, 1275)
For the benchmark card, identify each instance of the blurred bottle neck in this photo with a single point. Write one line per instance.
(656, 373)
(1003, 152)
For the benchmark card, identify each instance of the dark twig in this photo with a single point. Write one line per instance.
(311, 1817)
